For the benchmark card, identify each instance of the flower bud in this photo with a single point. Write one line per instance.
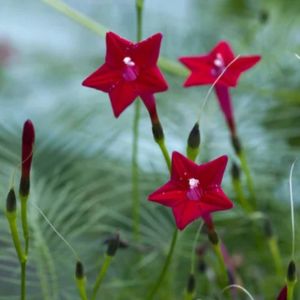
(157, 131)
(11, 202)
(235, 171)
(113, 245)
(193, 142)
(27, 150)
(236, 144)
(79, 271)
(213, 237)
(291, 272)
(191, 284)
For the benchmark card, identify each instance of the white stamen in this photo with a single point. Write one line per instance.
(219, 62)
(128, 61)
(193, 183)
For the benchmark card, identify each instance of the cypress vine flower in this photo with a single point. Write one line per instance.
(193, 191)
(129, 71)
(205, 69)
(27, 151)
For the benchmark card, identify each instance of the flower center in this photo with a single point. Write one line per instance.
(219, 65)
(130, 71)
(195, 191)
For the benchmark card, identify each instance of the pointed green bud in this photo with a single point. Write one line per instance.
(191, 284)
(235, 171)
(157, 131)
(79, 271)
(113, 245)
(213, 237)
(291, 272)
(268, 229)
(236, 144)
(11, 202)
(193, 142)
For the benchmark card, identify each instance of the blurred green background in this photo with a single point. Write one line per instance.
(81, 169)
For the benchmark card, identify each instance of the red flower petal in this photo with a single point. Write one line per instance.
(127, 92)
(27, 147)
(146, 52)
(225, 50)
(211, 173)
(116, 49)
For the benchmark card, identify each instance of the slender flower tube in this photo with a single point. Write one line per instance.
(205, 69)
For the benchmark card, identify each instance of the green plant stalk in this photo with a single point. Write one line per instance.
(11, 217)
(290, 290)
(189, 296)
(135, 129)
(223, 269)
(172, 67)
(164, 270)
(249, 180)
(25, 222)
(165, 153)
(273, 246)
(135, 172)
(101, 275)
(237, 186)
(81, 286)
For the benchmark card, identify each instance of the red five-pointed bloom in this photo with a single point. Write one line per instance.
(129, 71)
(206, 68)
(193, 191)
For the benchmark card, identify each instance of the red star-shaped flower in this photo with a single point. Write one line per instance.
(130, 70)
(206, 68)
(193, 191)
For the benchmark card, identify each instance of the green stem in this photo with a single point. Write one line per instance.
(164, 150)
(12, 221)
(81, 286)
(290, 290)
(23, 280)
(273, 246)
(139, 12)
(164, 270)
(135, 173)
(223, 269)
(77, 16)
(25, 221)
(249, 180)
(237, 186)
(170, 66)
(193, 254)
(101, 275)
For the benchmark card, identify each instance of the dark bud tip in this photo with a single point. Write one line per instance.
(268, 229)
(201, 266)
(191, 284)
(157, 131)
(113, 245)
(236, 144)
(194, 137)
(263, 16)
(291, 272)
(24, 186)
(11, 202)
(213, 237)
(79, 272)
(235, 171)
